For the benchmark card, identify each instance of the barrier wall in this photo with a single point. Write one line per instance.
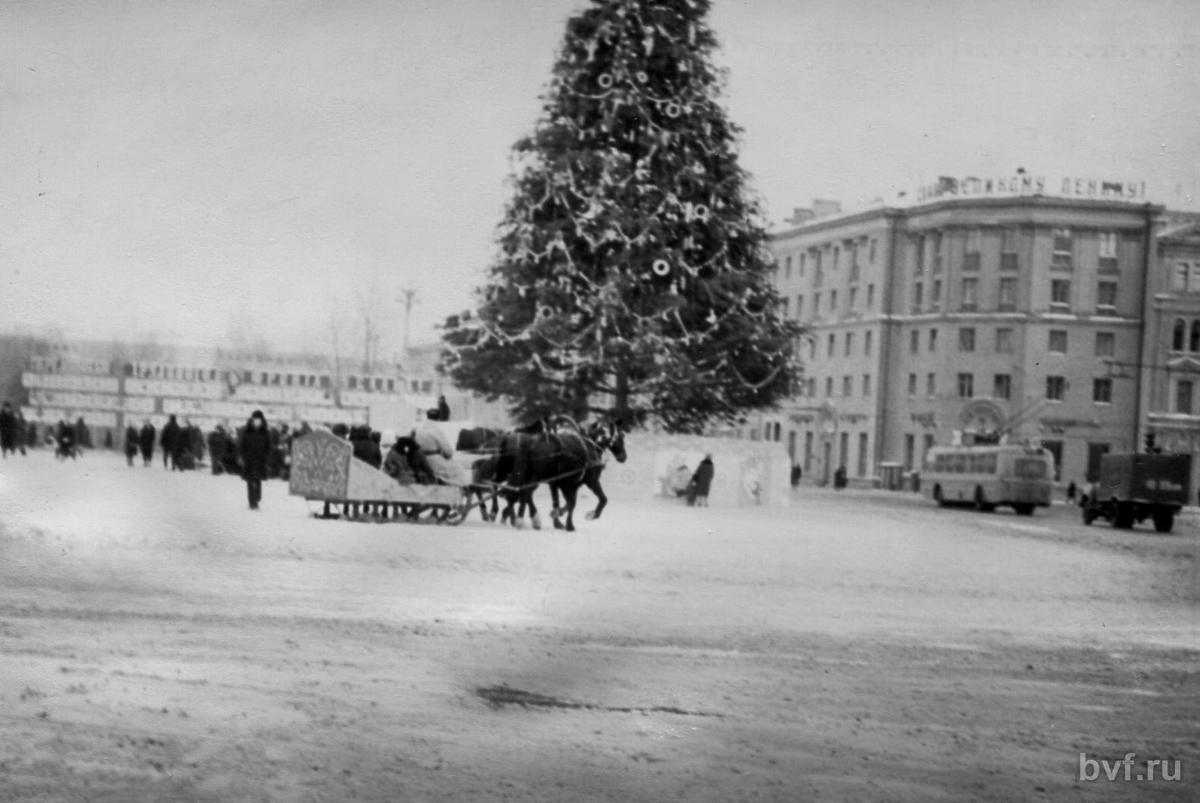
(745, 472)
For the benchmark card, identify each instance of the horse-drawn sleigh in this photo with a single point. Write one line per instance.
(501, 464)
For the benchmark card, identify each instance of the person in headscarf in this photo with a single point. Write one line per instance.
(255, 447)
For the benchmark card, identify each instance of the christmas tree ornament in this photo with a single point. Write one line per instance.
(661, 267)
(605, 81)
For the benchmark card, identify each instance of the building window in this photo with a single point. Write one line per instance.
(1055, 388)
(853, 299)
(391, 385)
(1007, 299)
(1106, 344)
(937, 252)
(352, 383)
(828, 386)
(800, 271)
(1179, 277)
(870, 296)
(849, 343)
(912, 384)
(1183, 396)
(1060, 259)
(1106, 296)
(966, 386)
(1060, 293)
(1194, 340)
(812, 388)
(847, 386)
(1108, 252)
(914, 341)
(862, 454)
(1179, 335)
(837, 258)
(833, 300)
(1008, 250)
(818, 273)
(971, 249)
(867, 343)
(966, 339)
(918, 297)
(799, 306)
(1004, 340)
(931, 385)
(1058, 341)
(830, 345)
(970, 294)
(910, 447)
(866, 386)
(933, 339)
(936, 295)
(919, 247)
(787, 267)
(786, 305)
(871, 257)
(1002, 386)
(816, 304)
(1102, 391)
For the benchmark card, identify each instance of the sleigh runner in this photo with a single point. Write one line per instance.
(324, 469)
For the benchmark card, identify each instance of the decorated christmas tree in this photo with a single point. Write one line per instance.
(632, 273)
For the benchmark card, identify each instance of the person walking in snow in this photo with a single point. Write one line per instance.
(255, 448)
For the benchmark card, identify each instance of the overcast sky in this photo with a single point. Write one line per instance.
(196, 169)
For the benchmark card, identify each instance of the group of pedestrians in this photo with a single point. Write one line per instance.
(16, 434)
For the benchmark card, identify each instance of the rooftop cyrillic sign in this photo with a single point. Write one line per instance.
(1029, 184)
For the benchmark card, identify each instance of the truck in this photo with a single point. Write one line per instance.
(1135, 487)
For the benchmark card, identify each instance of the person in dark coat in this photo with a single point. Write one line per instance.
(146, 442)
(255, 447)
(131, 444)
(701, 482)
(66, 441)
(8, 429)
(168, 440)
(83, 435)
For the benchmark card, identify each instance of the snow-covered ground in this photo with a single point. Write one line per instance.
(158, 640)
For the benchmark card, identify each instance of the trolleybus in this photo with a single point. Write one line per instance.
(987, 476)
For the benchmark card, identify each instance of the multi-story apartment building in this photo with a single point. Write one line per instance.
(1169, 369)
(961, 315)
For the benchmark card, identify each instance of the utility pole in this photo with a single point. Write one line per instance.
(409, 295)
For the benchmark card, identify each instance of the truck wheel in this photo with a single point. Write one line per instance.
(1025, 509)
(937, 496)
(1123, 520)
(1163, 522)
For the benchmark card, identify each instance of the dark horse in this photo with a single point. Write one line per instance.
(566, 458)
(488, 472)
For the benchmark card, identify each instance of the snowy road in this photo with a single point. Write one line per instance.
(159, 641)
